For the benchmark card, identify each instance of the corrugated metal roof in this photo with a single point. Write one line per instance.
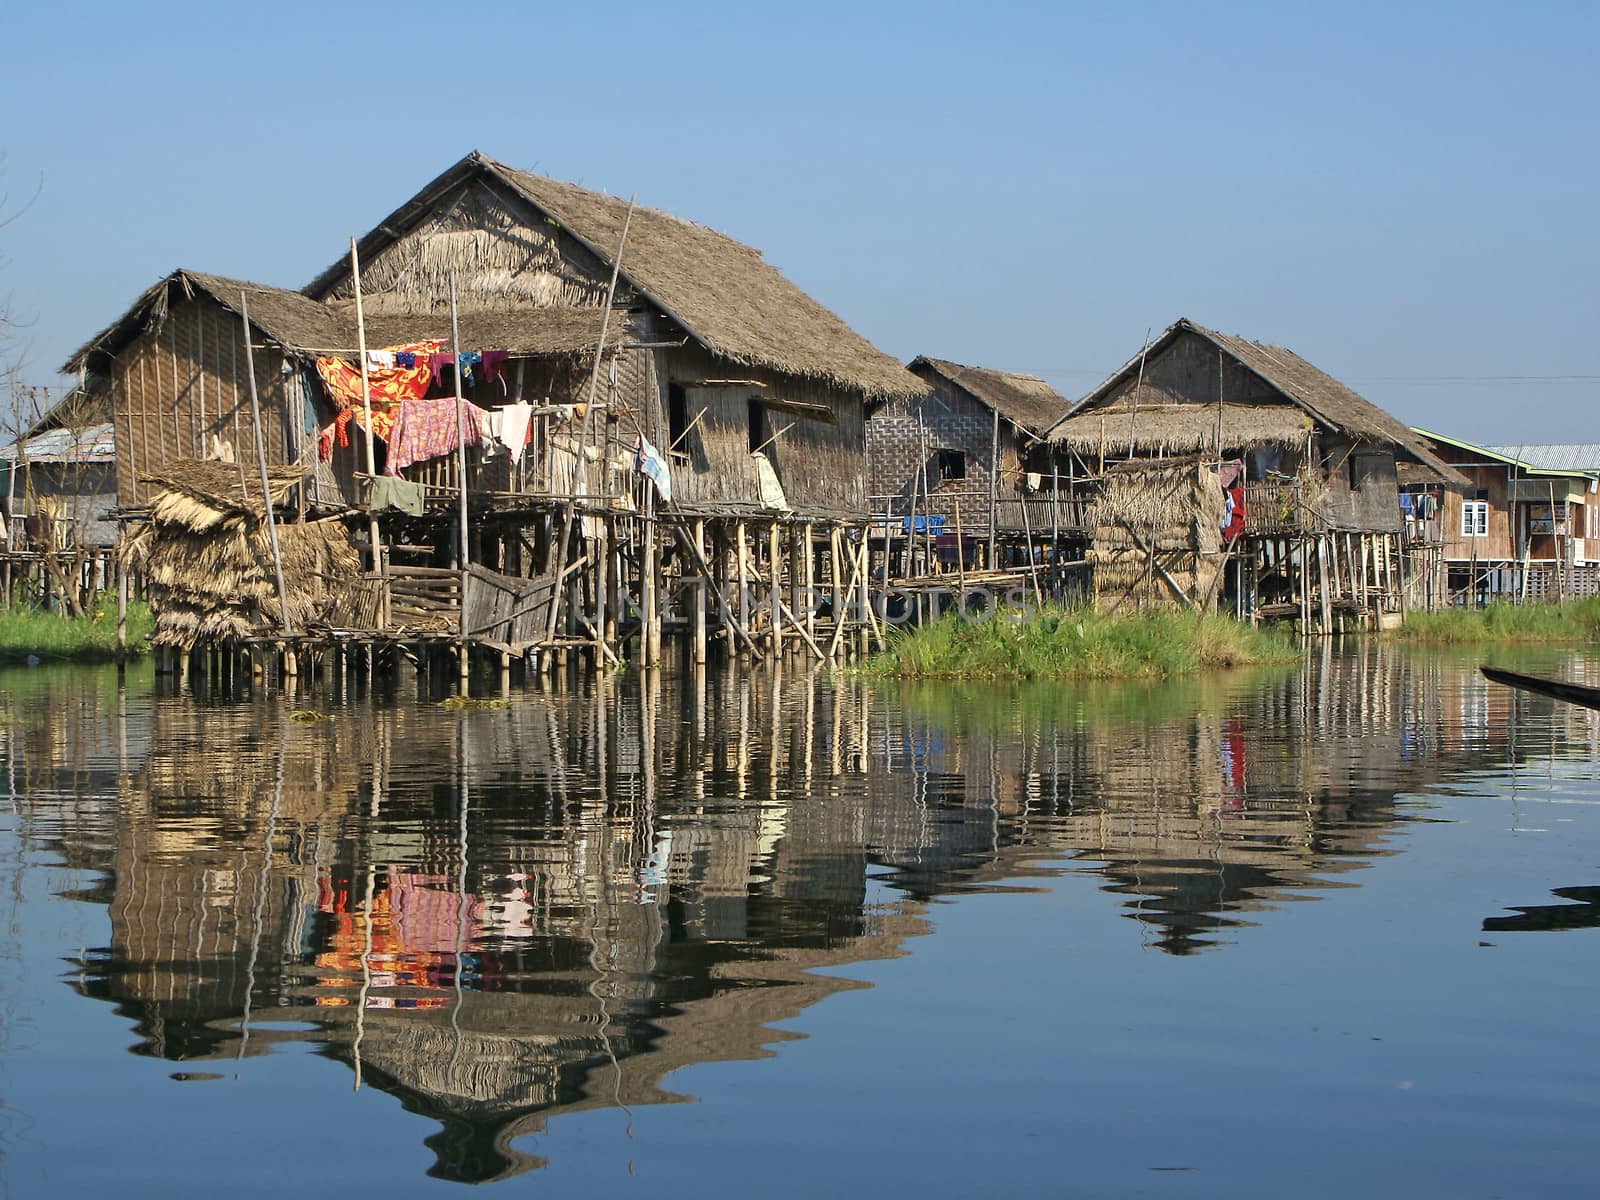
(1556, 456)
(97, 443)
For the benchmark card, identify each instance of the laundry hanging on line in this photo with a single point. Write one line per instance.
(425, 429)
(388, 387)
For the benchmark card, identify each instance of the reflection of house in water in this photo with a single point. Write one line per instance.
(630, 882)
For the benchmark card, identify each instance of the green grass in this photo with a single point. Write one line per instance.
(26, 632)
(1575, 621)
(1076, 644)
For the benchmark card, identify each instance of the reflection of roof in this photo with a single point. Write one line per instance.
(95, 444)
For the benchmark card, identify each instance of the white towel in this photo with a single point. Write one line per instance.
(509, 427)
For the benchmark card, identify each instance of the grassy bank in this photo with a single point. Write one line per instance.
(26, 632)
(1576, 621)
(1077, 644)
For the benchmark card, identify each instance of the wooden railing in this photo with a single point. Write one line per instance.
(1278, 508)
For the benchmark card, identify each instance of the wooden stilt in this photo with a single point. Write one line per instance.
(699, 614)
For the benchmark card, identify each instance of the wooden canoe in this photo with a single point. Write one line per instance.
(1572, 693)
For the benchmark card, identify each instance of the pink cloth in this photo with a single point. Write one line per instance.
(426, 429)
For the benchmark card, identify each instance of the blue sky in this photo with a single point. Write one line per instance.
(1406, 194)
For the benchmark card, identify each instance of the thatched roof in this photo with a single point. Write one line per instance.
(1027, 401)
(305, 326)
(1180, 428)
(1330, 403)
(722, 293)
(289, 318)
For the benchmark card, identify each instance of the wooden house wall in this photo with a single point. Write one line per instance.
(1363, 492)
(1487, 481)
(821, 463)
(178, 386)
(1507, 497)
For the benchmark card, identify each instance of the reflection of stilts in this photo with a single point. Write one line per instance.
(261, 890)
(461, 892)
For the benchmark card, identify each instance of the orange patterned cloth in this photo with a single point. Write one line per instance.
(389, 386)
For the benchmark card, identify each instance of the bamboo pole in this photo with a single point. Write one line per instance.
(700, 592)
(261, 462)
(373, 532)
(776, 596)
(464, 556)
(994, 484)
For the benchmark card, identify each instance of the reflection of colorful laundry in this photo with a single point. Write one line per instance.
(1233, 756)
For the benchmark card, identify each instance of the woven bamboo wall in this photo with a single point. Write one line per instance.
(184, 383)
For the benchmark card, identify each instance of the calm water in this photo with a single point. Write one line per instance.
(1319, 932)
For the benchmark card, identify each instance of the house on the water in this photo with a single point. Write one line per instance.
(1527, 524)
(713, 375)
(961, 468)
(1224, 470)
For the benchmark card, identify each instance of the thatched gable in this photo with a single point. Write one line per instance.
(1329, 403)
(1027, 401)
(721, 293)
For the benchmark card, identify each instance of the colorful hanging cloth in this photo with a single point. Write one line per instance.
(426, 429)
(390, 387)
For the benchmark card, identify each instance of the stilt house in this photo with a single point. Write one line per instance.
(743, 397)
(964, 460)
(1527, 525)
(1305, 473)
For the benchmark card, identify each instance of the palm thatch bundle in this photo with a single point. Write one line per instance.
(206, 557)
(1157, 531)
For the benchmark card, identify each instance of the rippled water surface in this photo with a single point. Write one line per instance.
(1317, 932)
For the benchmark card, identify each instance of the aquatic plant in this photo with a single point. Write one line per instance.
(1076, 643)
(469, 704)
(30, 633)
(1573, 621)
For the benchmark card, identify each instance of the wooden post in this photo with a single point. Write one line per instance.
(700, 595)
(744, 575)
(650, 612)
(261, 462)
(994, 484)
(463, 550)
(809, 579)
(122, 619)
(774, 597)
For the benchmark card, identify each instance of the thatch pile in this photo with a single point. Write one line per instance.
(206, 557)
(1153, 518)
